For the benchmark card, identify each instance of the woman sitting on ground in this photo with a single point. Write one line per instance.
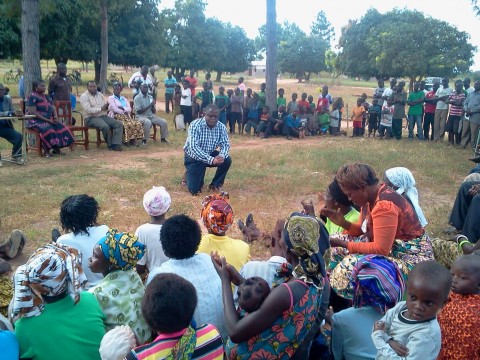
(388, 226)
(287, 317)
(168, 307)
(53, 134)
(378, 285)
(55, 319)
(156, 203)
(121, 291)
(119, 109)
(217, 216)
(78, 216)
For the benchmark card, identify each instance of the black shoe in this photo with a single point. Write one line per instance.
(249, 220)
(476, 159)
(241, 225)
(55, 235)
(163, 140)
(115, 148)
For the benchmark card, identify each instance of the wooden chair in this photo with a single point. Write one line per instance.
(64, 114)
(32, 138)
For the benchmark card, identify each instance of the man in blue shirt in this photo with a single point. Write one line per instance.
(205, 136)
(170, 82)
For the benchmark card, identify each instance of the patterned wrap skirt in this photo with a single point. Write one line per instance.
(404, 253)
(132, 129)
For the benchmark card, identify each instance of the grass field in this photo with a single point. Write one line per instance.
(268, 178)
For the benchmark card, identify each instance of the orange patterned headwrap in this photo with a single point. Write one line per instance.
(217, 214)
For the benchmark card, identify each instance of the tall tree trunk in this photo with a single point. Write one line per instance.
(104, 45)
(271, 72)
(31, 42)
(219, 76)
(97, 64)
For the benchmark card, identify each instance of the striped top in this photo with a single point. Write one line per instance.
(209, 345)
(456, 110)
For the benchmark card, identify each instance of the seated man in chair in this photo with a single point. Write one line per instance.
(95, 107)
(6, 127)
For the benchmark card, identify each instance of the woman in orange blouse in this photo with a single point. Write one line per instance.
(388, 226)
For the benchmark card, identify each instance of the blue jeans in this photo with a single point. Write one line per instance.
(412, 120)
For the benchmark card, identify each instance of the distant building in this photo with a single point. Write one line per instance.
(258, 68)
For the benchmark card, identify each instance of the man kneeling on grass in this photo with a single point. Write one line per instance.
(205, 136)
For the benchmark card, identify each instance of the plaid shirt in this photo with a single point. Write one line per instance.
(202, 141)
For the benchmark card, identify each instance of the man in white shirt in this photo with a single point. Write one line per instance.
(441, 112)
(389, 91)
(95, 108)
(145, 77)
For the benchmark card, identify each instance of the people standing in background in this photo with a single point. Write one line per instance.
(154, 83)
(60, 86)
(389, 91)
(236, 104)
(398, 99)
(281, 100)
(186, 102)
(378, 93)
(441, 110)
(170, 83)
(415, 103)
(455, 100)
(241, 85)
(429, 116)
(192, 82)
(472, 111)
(145, 77)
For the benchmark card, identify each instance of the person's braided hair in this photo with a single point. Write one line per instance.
(78, 212)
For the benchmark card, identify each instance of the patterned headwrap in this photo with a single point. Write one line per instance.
(123, 250)
(301, 234)
(51, 270)
(403, 179)
(217, 214)
(156, 201)
(377, 282)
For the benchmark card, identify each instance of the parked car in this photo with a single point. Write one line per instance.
(429, 82)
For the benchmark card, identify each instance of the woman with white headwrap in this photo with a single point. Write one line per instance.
(156, 202)
(402, 180)
(56, 320)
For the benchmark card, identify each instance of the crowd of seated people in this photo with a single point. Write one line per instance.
(171, 292)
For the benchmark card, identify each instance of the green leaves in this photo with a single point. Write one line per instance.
(403, 43)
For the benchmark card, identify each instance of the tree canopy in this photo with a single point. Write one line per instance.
(403, 43)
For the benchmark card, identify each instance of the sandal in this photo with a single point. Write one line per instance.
(16, 241)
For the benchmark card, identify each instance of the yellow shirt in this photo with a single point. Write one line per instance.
(237, 252)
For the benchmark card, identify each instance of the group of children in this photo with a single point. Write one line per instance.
(242, 110)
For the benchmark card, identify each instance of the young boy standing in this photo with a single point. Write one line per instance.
(222, 101)
(411, 329)
(292, 105)
(374, 113)
(357, 117)
(281, 99)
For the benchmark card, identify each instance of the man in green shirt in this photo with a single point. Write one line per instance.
(415, 103)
